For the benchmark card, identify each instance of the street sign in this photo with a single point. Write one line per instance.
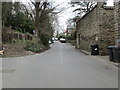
(33, 31)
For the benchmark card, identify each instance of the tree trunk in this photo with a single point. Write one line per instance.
(37, 4)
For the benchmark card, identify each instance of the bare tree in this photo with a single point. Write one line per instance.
(35, 13)
(40, 12)
(83, 6)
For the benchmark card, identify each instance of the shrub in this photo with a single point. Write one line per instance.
(35, 47)
(45, 39)
(73, 42)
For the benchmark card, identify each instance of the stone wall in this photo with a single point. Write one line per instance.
(117, 23)
(106, 27)
(9, 37)
(87, 30)
(96, 27)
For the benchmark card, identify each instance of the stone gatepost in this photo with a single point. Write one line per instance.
(117, 23)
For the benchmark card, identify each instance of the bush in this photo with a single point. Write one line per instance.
(62, 36)
(73, 42)
(69, 38)
(45, 39)
(72, 36)
(35, 47)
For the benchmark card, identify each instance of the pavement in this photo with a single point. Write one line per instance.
(105, 58)
(62, 66)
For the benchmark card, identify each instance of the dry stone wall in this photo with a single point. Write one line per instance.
(9, 37)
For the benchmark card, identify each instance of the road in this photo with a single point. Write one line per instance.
(60, 67)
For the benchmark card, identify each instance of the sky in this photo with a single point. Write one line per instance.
(110, 2)
(64, 15)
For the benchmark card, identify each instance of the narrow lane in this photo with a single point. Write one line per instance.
(60, 67)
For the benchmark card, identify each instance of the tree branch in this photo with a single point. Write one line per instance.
(28, 12)
(32, 2)
(31, 9)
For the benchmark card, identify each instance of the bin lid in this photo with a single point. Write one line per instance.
(110, 47)
(117, 47)
(94, 45)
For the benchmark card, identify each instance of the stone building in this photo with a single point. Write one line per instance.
(96, 27)
(117, 23)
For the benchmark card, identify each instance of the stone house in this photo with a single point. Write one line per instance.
(96, 27)
(117, 23)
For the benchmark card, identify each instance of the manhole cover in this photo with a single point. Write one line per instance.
(8, 71)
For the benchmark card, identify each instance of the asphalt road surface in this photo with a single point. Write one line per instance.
(60, 67)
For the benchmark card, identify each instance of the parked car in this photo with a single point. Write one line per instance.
(56, 39)
(50, 42)
(62, 40)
